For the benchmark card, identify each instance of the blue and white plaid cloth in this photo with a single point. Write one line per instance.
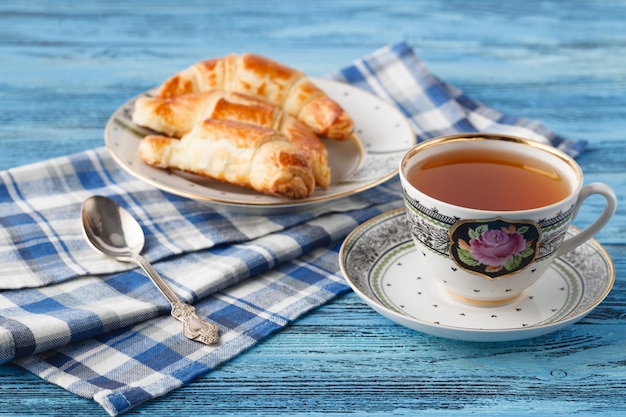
(101, 330)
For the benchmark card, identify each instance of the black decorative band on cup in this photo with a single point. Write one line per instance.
(432, 228)
(430, 213)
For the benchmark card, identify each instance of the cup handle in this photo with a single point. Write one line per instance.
(611, 204)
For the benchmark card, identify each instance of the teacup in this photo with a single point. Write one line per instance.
(488, 213)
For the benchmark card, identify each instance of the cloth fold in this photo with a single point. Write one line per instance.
(101, 330)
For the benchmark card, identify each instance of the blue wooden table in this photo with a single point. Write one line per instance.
(65, 66)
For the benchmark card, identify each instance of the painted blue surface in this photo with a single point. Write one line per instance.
(65, 66)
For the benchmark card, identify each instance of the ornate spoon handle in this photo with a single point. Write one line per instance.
(195, 327)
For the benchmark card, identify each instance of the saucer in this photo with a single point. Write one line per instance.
(378, 260)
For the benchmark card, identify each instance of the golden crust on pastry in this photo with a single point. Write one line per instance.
(175, 116)
(210, 74)
(237, 153)
(311, 146)
(323, 111)
(269, 80)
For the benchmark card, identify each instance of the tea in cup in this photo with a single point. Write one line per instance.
(488, 213)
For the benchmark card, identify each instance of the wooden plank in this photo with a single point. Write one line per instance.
(66, 67)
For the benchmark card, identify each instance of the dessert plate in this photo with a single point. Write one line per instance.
(378, 261)
(383, 134)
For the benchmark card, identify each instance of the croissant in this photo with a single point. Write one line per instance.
(176, 116)
(263, 78)
(237, 153)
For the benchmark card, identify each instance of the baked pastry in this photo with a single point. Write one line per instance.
(263, 78)
(237, 153)
(177, 115)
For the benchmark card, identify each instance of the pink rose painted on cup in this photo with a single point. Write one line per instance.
(494, 248)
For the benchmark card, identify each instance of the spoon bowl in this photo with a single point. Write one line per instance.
(111, 230)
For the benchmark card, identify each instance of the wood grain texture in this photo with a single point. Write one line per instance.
(65, 66)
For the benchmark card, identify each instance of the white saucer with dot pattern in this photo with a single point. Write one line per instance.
(378, 260)
(383, 134)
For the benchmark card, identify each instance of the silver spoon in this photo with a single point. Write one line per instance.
(110, 229)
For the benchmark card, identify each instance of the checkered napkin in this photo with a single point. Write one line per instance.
(100, 329)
